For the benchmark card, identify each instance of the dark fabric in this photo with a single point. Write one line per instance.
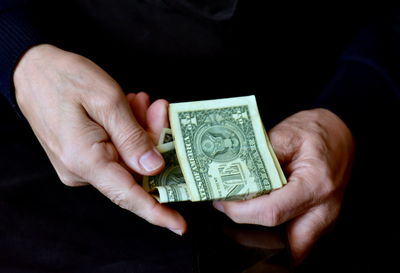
(214, 10)
(17, 34)
(366, 83)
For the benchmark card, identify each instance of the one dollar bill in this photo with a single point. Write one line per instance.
(215, 150)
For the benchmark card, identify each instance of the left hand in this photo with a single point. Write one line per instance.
(315, 149)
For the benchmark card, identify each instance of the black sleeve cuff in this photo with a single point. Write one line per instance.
(361, 93)
(17, 34)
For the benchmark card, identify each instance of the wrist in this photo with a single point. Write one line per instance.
(27, 71)
(32, 56)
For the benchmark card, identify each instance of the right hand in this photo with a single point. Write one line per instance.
(86, 126)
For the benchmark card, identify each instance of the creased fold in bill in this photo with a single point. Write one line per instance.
(215, 150)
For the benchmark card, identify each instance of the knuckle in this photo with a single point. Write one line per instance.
(102, 153)
(107, 101)
(312, 187)
(152, 215)
(76, 163)
(122, 199)
(118, 197)
(270, 217)
(135, 137)
(328, 188)
(317, 135)
(112, 98)
(321, 186)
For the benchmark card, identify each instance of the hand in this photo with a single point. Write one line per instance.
(315, 149)
(86, 126)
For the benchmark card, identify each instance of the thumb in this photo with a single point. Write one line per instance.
(285, 142)
(131, 141)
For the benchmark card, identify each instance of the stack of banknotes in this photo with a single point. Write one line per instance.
(215, 150)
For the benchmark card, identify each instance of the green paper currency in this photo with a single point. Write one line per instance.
(215, 150)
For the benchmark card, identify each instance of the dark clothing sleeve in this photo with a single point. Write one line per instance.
(364, 82)
(17, 34)
(365, 90)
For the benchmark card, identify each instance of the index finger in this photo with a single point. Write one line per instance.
(116, 183)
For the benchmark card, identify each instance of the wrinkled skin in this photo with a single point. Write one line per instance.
(91, 132)
(95, 135)
(316, 149)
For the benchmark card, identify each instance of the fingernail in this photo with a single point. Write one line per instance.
(176, 231)
(152, 160)
(218, 206)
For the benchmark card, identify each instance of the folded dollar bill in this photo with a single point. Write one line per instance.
(215, 150)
